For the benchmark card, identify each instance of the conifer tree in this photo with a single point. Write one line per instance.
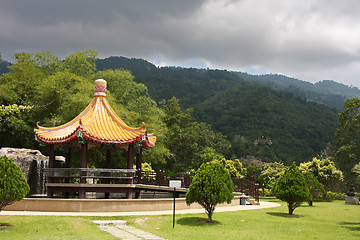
(13, 186)
(291, 187)
(211, 185)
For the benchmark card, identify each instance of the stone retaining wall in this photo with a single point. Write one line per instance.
(103, 205)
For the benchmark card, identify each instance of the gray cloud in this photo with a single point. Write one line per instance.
(310, 39)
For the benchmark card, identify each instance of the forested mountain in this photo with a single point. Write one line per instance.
(243, 110)
(4, 66)
(327, 92)
(297, 128)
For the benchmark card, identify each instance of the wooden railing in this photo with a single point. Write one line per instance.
(247, 187)
(76, 175)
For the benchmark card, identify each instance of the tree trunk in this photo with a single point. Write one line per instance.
(291, 209)
(210, 216)
(210, 210)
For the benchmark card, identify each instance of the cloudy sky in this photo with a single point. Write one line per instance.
(311, 40)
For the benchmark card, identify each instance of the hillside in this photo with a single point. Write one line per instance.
(243, 109)
(327, 92)
(299, 127)
(4, 66)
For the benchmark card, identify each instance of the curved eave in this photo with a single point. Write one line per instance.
(149, 142)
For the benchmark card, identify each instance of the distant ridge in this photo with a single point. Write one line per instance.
(293, 113)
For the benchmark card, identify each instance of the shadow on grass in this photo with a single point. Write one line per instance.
(4, 226)
(353, 226)
(284, 215)
(196, 221)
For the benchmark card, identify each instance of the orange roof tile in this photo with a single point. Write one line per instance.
(98, 123)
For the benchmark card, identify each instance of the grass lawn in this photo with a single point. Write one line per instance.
(50, 227)
(325, 220)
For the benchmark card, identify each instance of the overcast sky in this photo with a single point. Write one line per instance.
(311, 40)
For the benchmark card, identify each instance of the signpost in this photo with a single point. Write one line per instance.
(175, 184)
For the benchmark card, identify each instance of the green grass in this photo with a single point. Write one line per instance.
(325, 220)
(50, 227)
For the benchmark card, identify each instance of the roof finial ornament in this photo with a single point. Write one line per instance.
(100, 88)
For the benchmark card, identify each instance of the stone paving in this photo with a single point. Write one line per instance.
(120, 230)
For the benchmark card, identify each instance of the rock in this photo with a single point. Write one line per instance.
(24, 157)
(352, 199)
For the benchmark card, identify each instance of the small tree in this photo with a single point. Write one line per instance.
(325, 171)
(13, 186)
(316, 189)
(291, 187)
(211, 185)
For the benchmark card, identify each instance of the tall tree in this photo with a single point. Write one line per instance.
(348, 136)
(187, 139)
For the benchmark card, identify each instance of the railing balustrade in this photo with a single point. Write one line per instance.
(73, 175)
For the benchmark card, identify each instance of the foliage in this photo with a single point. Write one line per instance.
(356, 172)
(253, 173)
(348, 136)
(299, 128)
(335, 195)
(13, 186)
(272, 172)
(209, 154)
(7, 111)
(41, 79)
(60, 90)
(187, 139)
(210, 186)
(234, 167)
(316, 189)
(324, 171)
(327, 92)
(291, 187)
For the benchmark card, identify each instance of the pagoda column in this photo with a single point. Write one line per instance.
(138, 170)
(130, 165)
(83, 164)
(68, 158)
(51, 165)
(67, 165)
(108, 166)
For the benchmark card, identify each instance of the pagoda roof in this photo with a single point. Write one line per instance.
(97, 123)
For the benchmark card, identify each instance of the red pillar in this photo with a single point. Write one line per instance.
(83, 164)
(130, 165)
(138, 169)
(108, 166)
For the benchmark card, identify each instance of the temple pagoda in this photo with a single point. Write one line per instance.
(96, 127)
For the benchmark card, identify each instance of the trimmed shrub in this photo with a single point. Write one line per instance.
(13, 186)
(291, 187)
(210, 186)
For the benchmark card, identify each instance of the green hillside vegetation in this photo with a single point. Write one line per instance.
(238, 108)
(298, 129)
(327, 92)
(243, 110)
